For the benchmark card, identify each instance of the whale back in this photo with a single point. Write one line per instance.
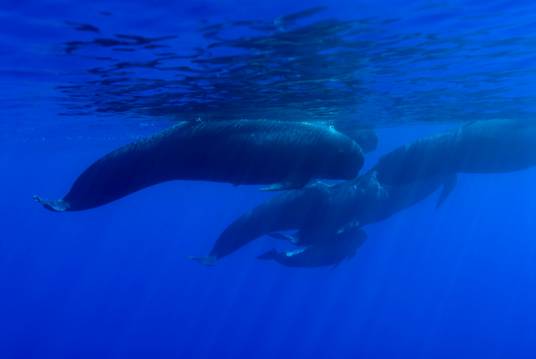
(237, 152)
(290, 210)
(496, 146)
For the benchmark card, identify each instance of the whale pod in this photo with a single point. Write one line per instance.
(319, 211)
(316, 212)
(283, 154)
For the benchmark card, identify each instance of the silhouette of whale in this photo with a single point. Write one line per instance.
(477, 147)
(319, 211)
(284, 154)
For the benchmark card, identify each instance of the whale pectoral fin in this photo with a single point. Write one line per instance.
(284, 236)
(296, 251)
(208, 261)
(448, 187)
(56, 205)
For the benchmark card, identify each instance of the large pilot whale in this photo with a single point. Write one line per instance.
(489, 146)
(282, 154)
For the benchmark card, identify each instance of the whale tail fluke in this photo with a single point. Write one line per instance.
(208, 261)
(56, 205)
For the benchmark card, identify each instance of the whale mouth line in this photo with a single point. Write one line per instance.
(59, 205)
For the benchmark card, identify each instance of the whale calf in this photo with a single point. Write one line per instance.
(283, 154)
(286, 211)
(330, 252)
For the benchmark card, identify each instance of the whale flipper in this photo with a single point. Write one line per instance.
(58, 205)
(208, 261)
(448, 186)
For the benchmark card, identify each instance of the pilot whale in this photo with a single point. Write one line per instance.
(282, 154)
(490, 146)
(286, 211)
(321, 211)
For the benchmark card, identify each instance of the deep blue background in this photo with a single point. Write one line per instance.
(115, 282)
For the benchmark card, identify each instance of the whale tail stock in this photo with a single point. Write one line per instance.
(208, 261)
(55, 205)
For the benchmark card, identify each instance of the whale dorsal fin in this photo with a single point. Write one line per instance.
(448, 186)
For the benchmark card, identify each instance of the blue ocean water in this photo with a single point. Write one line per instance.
(115, 281)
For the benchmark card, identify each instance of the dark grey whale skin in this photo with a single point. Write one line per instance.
(489, 146)
(319, 212)
(329, 252)
(289, 210)
(239, 152)
(366, 138)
